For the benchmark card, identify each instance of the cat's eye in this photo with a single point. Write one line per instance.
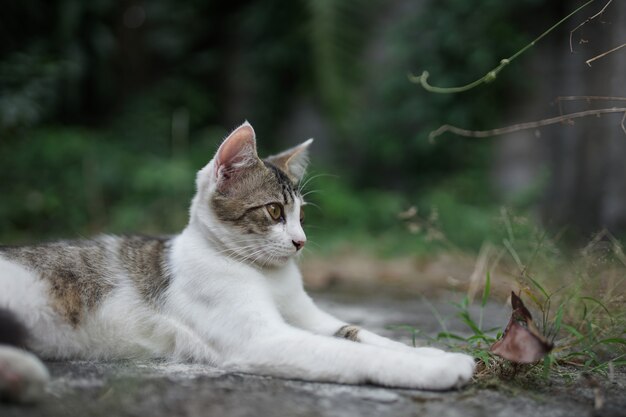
(275, 211)
(301, 215)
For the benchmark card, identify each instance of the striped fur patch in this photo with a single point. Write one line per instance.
(74, 270)
(349, 332)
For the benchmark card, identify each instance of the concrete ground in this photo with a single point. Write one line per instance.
(157, 389)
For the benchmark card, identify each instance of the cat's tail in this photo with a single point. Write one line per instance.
(12, 331)
(23, 377)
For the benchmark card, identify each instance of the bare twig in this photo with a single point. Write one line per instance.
(589, 19)
(588, 99)
(528, 125)
(589, 61)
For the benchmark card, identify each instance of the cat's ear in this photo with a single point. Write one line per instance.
(293, 161)
(237, 152)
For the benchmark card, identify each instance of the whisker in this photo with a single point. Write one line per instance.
(310, 192)
(315, 226)
(311, 242)
(312, 177)
(307, 203)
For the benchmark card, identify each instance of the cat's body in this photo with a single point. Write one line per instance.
(226, 291)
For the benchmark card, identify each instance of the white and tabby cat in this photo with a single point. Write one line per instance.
(226, 291)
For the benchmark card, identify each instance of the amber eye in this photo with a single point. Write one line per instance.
(301, 215)
(275, 211)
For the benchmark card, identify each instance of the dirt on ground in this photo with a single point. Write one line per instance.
(417, 275)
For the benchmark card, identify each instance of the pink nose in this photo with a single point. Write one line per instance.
(298, 244)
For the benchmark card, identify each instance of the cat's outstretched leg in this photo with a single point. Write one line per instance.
(293, 353)
(300, 310)
(265, 344)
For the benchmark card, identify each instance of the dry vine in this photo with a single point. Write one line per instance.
(588, 99)
(528, 125)
(491, 75)
(589, 19)
(602, 55)
(562, 118)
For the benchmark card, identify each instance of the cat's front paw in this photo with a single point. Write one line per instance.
(460, 370)
(444, 372)
(438, 373)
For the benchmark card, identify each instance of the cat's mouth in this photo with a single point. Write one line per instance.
(281, 258)
(263, 257)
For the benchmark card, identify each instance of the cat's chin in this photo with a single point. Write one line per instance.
(274, 262)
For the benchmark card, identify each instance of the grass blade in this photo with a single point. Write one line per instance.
(612, 340)
(547, 365)
(487, 290)
(598, 302)
(465, 318)
(414, 331)
(442, 323)
(574, 332)
(556, 327)
(539, 287)
(449, 335)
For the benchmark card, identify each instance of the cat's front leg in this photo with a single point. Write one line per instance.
(293, 353)
(321, 322)
(299, 310)
(245, 327)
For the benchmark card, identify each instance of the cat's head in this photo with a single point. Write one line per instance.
(250, 208)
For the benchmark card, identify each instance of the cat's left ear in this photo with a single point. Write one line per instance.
(237, 151)
(293, 161)
(236, 154)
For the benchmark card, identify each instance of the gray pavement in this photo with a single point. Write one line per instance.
(157, 389)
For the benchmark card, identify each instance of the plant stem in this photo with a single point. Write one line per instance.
(524, 126)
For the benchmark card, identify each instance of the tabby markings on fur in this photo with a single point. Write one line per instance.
(226, 291)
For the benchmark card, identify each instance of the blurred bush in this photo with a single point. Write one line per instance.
(107, 108)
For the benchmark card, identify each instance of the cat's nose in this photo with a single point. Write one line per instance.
(298, 244)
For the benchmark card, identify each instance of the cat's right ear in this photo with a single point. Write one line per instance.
(238, 151)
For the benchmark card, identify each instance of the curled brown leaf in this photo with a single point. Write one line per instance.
(521, 341)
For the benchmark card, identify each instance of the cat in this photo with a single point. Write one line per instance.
(225, 292)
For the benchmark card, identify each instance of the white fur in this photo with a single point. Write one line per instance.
(221, 310)
(23, 377)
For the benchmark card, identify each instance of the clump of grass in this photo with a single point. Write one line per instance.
(577, 301)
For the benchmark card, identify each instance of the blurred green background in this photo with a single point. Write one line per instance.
(108, 108)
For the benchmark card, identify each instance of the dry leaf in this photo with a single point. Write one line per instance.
(521, 342)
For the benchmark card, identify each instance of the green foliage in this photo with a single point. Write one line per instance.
(391, 121)
(103, 121)
(373, 210)
(89, 182)
(580, 309)
(338, 33)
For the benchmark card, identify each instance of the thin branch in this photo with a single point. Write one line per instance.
(491, 75)
(589, 61)
(525, 126)
(589, 19)
(589, 98)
